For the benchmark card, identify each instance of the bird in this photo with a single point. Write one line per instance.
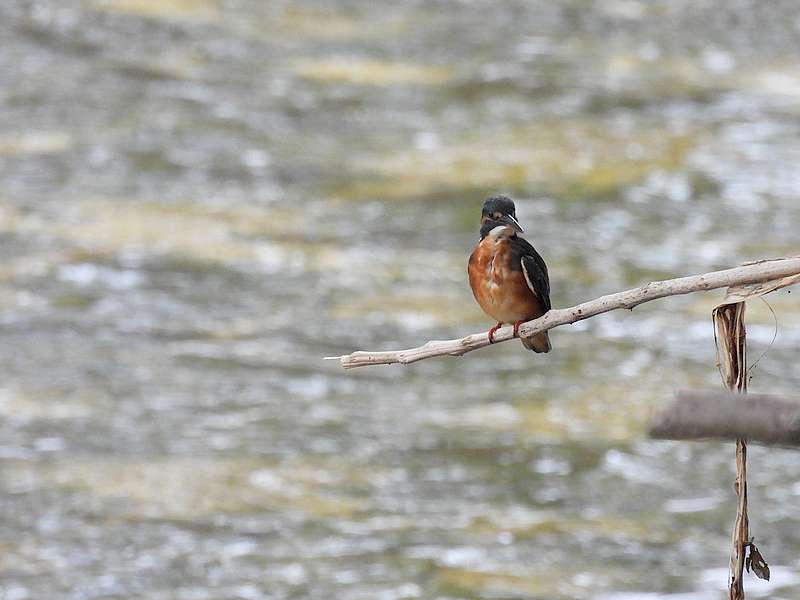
(507, 275)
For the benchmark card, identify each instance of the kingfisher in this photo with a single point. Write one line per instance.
(507, 275)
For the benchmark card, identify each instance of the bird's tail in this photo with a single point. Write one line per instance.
(538, 343)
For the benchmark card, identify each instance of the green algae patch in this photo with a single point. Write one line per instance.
(371, 72)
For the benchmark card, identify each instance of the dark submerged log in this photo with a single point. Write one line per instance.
(760, 418)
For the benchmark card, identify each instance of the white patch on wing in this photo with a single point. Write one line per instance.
(528, 279)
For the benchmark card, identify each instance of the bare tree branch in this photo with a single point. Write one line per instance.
(752, 273)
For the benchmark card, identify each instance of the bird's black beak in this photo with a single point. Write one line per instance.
(512, 221)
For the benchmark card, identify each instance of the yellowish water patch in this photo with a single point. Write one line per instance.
(540, 580)
(318, 23)
(758, 310)
(609, 410)
(371, 72)
(579, 269)
(691, 76)
(683, 72)
(190, 488)
(626, 9)
(100, 229)
(775, 76)
(34, 263)
(15, 403)
(185, 230)
(461, 580)
(701, 305)
(327, 24)
(668, 76)
(604, 410)
(782, 304)
(169, 64)
(767, 247)
(434, 308)
(640, 530)
(608, 176)
(8, 295)
(568, 159)
(172, 9)
(10, 217)
(35, 142)
(21, 558)
(154, 229)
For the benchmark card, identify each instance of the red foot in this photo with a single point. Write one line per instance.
(492, 330)
(516, 328)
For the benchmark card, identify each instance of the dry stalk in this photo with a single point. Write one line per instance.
(732, 360)
(731, 336)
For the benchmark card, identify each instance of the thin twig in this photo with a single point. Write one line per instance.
(762, 271)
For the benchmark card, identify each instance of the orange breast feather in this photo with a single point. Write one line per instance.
(499, 286)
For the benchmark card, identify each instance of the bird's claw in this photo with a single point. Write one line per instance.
(492, 331)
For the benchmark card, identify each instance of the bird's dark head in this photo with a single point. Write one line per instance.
(499, 211)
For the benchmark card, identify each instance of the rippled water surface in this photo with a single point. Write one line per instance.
(200, 199)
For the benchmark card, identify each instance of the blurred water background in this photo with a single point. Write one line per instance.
(201, 198)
